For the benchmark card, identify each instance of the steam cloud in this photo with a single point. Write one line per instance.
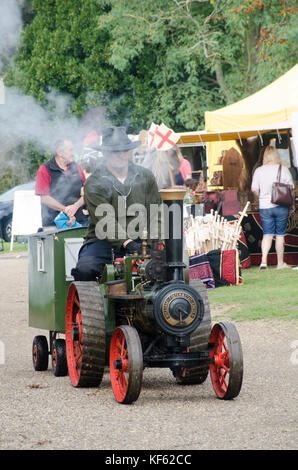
(10, 28)
(22, 118)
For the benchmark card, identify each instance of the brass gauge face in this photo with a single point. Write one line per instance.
(179, 308)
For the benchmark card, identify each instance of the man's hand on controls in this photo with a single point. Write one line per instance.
(135, 246)
(132, 246)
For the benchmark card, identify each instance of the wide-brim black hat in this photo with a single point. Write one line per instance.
(115, 139)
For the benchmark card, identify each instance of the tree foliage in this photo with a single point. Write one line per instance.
(163, 60)
(215, 51)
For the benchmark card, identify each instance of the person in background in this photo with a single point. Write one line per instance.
(274, 218)
(185, 166)
(178, 179)
(58, 183)
(88, 165)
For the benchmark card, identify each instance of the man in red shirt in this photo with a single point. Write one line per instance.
(58, 183)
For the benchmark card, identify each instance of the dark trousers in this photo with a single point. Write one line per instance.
(93, 256)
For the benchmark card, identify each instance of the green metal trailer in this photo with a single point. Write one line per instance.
(48, 281)
(52, 255)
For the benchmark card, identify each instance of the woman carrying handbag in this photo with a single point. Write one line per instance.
(274, 216)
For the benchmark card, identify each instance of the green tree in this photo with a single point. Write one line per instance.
(63, 49)
(140, 74)
(216, 51)
(163, 60)
(266, 33)
(160, 46)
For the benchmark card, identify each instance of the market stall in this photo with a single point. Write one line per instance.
(235, 137)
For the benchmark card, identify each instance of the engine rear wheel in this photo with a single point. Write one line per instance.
(85, 334)
(226, 371)
(199, 340)
(126, 364)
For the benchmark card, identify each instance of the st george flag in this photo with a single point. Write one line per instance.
(161, 137)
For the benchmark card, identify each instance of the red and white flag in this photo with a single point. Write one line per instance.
(161, 137)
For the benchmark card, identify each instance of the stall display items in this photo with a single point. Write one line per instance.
(212, 232)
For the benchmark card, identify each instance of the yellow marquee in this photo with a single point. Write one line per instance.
(271, 108)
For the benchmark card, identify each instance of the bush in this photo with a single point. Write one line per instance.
(20, 164)
(11, 175)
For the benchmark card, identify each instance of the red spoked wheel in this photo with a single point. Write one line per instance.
(126, 364)
(85, 334)
(226, 369)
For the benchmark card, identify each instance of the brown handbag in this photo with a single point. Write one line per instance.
(282, 193)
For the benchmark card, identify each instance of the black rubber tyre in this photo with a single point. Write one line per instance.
(40, 353)
(7, 225)
(59, 360)
(199, 340)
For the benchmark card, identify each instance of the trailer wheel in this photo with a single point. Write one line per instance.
(198, 341)
(85, 334)
(126, 364)
(226, 371)
(59, 361)
(40, 353)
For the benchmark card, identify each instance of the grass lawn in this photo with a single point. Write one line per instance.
(265, 294)
(16, 247)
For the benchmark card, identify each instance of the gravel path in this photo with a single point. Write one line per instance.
(40, 411)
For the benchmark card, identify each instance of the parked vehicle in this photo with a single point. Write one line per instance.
(6, 208)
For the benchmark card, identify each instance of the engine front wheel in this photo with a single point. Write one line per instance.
(226, 369)
(126, 364)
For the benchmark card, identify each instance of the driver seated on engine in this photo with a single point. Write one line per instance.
(113, 194)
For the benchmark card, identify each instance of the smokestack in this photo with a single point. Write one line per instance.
(173, 199)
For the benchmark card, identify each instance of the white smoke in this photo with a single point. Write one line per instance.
(10, 29)
(22, 118)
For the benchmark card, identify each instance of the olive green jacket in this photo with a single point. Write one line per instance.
(119, 211)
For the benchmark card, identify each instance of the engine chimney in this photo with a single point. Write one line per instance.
(173, 220)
